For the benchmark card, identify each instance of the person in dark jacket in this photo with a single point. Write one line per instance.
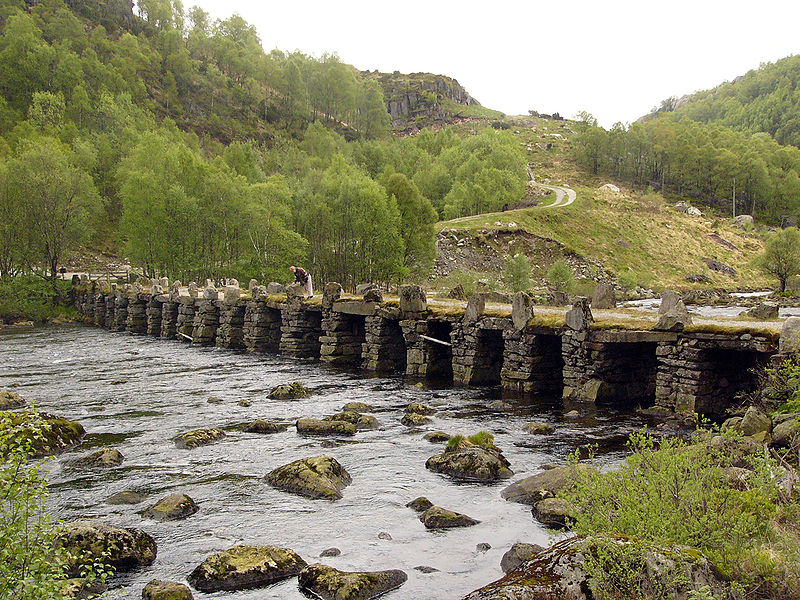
(303, 277)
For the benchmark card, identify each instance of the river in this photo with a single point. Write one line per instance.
(137, 393)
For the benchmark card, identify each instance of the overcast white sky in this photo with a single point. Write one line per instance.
(614, 58)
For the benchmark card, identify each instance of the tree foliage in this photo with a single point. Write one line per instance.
(781, 256)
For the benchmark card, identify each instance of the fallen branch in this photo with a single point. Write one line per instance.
(430, 339)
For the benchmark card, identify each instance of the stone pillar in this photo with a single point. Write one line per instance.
(416, 349)
(532, 361)
(262, 327)
(231, 324)
(301, 328)
(110, 308)
(478, 350)
(384, 347)
(425, 358)
(342, 339)
(465, 340)
(137, 314)
(88, 308)
(120, 312)
(169, 319)
(99, 309)
(206, 323)
(154, 312)
(186, 311)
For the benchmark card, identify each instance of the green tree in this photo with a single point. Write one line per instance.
(781, 256)
(518, 273)
(560, 276)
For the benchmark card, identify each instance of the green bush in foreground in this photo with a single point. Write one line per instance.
(677, 493)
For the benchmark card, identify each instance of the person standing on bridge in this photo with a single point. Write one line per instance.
(303, 277)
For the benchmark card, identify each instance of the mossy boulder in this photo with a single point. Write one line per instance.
(263, 426)
(126, 497)
(362, 422)
(755, 421)
(166, 590)
(80, 587)
(317, 477)
(786, 431)
(420, 504)
(322, 427)
(90, 541)
(105, 457)
(471, 463)
(733, 451)
(543, 485)
(198, 437)
(47, 434)
(436, 437)
(552, 512)
(10, 400)
(289, 391)
(172, 507)
(437, 517)
(359, 407)
(414, 419)
(538, 428)
(245, 567)
(327, 583)
(518, 554)
(419, 408)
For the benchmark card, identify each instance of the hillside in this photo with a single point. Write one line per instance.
(762, 100)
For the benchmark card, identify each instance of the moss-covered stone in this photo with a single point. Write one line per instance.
(362, 422)
(436, 437)
(245, 567)
(47, 434)
(90, 541)
(538, 428)
(105, 457)
(263, 426)
(10, 400)
(317, 477)
(419, 408)
(437, 517)
(471, 463)
(126, 497)
(289, 391)
(414, 419)
(198, 437)
(166, 590)
(359, 407)
(518, 554)
(420, 504)
(328, 583)
(543, 485)
(322, 427)
(172, 507)
(552, 512)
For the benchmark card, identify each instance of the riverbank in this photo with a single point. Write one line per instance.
(31, 299)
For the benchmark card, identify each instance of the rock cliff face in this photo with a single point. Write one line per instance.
(421, 99)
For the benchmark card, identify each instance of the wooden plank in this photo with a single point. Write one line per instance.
(188, 337)
(430, 339)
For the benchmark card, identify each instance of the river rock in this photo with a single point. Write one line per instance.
(518, 554)
(754, 421)
(105, 457)
(538, 428)
(198, 437)
(47, 434)
(126, 497)
(359, 407)
(420, 504)
(579, 317)
(166, 590)
(289, 391)
(603, 296)
(414, 419)
(412, 299)
(89, 541)
(318, 477)
(559, 572)
(764, 311)
(262, 426)
(10, 400)
(436, 437)
(437, 517)
(552, 512)
(471, 463)
(322, 427)
(542, 485)
(420, 409)
(329, 552)
(327, 583)
(521, 309)
(362, 422)
(790, 336)
(245, 567)
(172, 507)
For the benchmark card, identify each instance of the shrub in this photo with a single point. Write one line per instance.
(560, 276)
(518, 273)
(31, 298)
(781, 385)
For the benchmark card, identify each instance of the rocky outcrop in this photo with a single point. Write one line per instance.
(172, 507)
(198, 437)
(362, 422)
(10, 400)
(166, 590)
(437, 517)
(289, 391)
(318, 477)
(327, 583)
(88, 541)
(518, 554)
(245, 567)
(471, 463)
(543, 485)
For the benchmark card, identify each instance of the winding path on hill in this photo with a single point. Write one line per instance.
(562, 193)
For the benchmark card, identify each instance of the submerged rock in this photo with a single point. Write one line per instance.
(471, 463)
(106, 457)
(538, 428)
(437, 517)
(10, 400)
(88, 541)
(262, 426)
(172, 507)
(126, 497)
(435, 437)
(518, 554)
(330, 552)
(289, 391)
(359, 407)
(198, 437)
(543, 485)
(322, 427)
(420, 504)
(419, 408)
(245, 567)
(317, 477)
(166, 590)
(328, 583)
(47, 434)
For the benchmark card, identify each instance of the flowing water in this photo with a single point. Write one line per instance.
(137, 393)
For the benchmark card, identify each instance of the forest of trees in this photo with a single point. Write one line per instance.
(180, 144)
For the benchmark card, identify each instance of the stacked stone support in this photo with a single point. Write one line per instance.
(154, 315)
(99, 310)
(425, 358)
(384, 348)
(137, 314)
(532, 361)
(185, 324)
(301, 327)
(120, 312)
(169, 319)
(231, 325)
(262, 327)
(110, 308)
(206, 323)
(342, 339)
(478, 351)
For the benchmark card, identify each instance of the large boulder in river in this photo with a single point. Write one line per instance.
(560, 572)
(543, 485)
(289, 391)
(553, 512)
(166, 590)
(518, 554)
(263, 426)
(322, 427)
(198, 437)
(88, 541)
(437, 517)
(327, 583)
(47, 434)
(317, 477)
(10, 400)
(471, 463)
(172, 507)
(362, 422)
(245, 567)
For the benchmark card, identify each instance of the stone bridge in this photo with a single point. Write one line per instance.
(671, 371)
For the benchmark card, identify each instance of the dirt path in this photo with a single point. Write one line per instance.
(561, 194)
